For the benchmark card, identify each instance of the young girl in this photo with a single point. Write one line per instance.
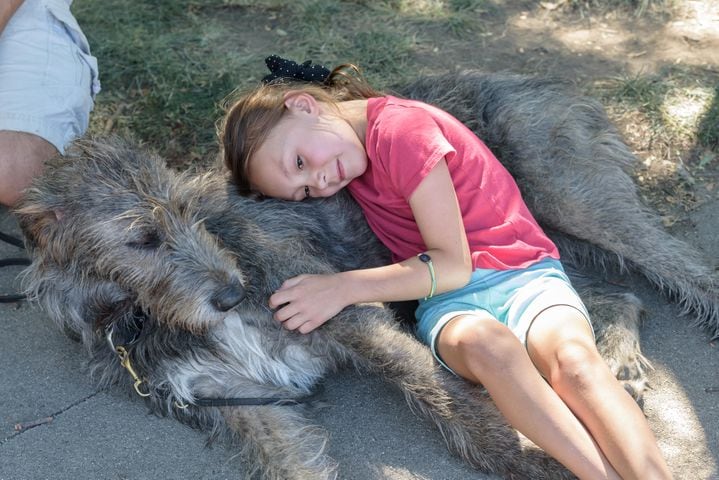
(495, 305)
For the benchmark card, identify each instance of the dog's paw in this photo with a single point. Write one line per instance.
(631, 373)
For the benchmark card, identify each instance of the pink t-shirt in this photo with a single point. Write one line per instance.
(405, 140)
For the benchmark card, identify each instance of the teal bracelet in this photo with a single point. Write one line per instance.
(424, 258)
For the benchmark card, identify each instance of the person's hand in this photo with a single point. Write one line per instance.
(305, 302)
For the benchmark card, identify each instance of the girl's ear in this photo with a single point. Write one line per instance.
(301, 102)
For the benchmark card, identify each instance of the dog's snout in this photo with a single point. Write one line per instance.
(228, 296)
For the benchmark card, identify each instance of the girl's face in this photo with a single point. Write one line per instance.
(310, 152)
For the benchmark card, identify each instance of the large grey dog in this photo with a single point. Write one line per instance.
(168, 276)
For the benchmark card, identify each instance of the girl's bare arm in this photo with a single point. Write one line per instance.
(307, 301)
(436, 211)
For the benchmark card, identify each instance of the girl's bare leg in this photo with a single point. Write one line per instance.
(561, 345)
(483, 350)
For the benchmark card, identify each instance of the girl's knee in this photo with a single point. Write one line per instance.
(560, 340)
(482, 341)
(576, 365)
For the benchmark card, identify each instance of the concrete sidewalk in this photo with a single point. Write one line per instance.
(85, 433)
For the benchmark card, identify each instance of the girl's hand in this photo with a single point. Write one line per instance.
(307, 301)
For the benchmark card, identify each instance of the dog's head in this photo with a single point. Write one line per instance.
(109, 226)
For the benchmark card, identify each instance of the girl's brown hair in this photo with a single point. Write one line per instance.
(250, 118)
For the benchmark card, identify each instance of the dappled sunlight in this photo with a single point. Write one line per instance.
(681, 436)
(390, 472)
(595, 40)
(167, 65)
(642, 45)
(431, 8)
(423, 7)
(701, 16)
(697, 30)
(683, 108)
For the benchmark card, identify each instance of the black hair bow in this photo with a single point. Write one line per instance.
(306, 72)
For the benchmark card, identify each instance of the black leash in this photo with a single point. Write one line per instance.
(278, 401)
(11, 240)
(8, 262)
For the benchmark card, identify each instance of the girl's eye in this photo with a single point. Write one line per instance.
(300, 163)
(307, 191)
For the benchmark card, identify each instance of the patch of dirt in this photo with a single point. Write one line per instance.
(538, 38)
(595, 48)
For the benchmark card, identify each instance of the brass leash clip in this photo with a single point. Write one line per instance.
(125, 362)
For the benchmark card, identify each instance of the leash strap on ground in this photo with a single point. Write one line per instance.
(245, 401)
(8, 262)
(11, 240)
(254, 401)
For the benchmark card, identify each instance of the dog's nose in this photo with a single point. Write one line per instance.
(228, 296)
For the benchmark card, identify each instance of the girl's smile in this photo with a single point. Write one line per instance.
(314, 151)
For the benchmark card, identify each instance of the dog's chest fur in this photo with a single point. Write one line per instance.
(268, 356)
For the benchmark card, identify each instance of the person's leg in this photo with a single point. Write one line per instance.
(483, 350)
(22, 156)
(561, 345)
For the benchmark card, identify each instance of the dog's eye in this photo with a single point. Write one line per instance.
(146, 241)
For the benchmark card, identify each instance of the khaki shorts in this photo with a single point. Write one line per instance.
(48, 79)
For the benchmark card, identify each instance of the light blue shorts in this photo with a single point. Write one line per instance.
(513, 297)
(48, 79)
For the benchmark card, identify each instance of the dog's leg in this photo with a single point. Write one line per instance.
(469, 421)
(616, 318)
(618, 344)
(279, 443)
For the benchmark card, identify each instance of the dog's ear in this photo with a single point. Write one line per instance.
(45, 209)
(41, 225)
(75, 302)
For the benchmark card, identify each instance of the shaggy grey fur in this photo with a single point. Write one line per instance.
(119, 240)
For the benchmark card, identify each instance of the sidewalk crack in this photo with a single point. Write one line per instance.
(21, 428)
